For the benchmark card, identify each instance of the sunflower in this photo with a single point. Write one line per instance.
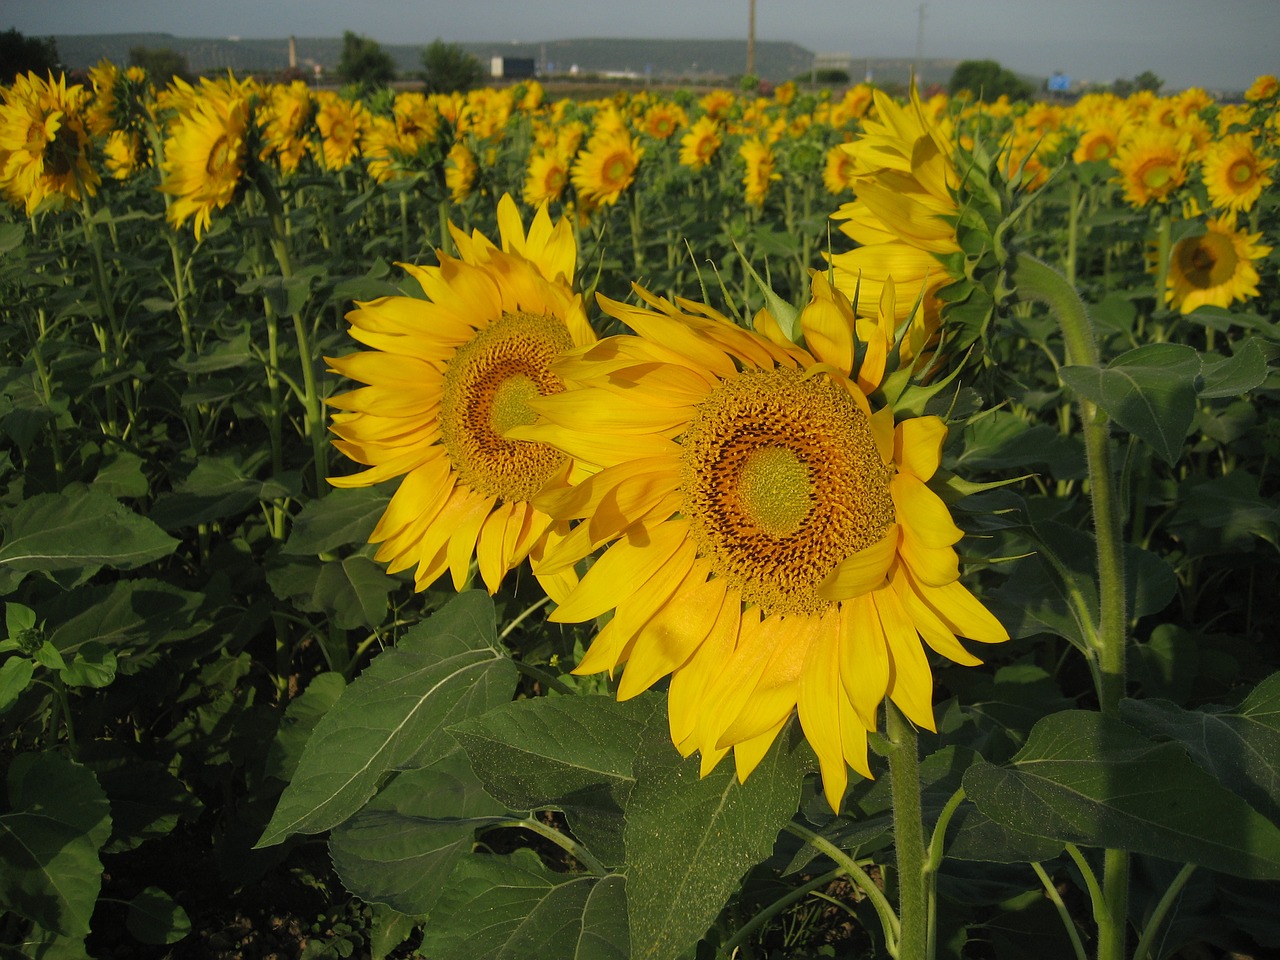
(904, 209)
(1151, 165)
(342, 124)
(1234, 174)
(663, 119)
(287, 112)
(460, 169)
(124, 154)
(1264, 87)
(837, 171)
(204, 155)
(774, 545)
(44, 143)
(759, 173)
(546, 178)
(700, 144)
(606, 167)
(445, 377)
(1099, 140)
(1215, 268)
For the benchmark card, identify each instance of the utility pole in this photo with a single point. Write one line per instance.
(751, 39)
(920, 40)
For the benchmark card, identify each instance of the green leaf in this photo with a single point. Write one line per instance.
(1225, 514)
(1150, 391)
(1235, 375)
(353, 590)
(689, 840)
(76, 531)
(1088, 779)
(129, 616)
(299, 720)
(397, 847)
(217, 488)
(94, 666)
(57, 820)
(513, 908)
(343, 518)
(388, 929)
(396, 714)
(1240, 747)
(155, 918)
(15, 675)
(571, 753)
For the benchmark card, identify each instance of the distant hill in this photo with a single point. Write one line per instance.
(706, 61)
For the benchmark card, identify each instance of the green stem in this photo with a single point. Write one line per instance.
(934, 862)
(1161, 911)
(1037, 281)
(1056, 899)
(908, 834)
(565, 843)
(888, 919)
(1164, 247)
(772, 910)
(1073, 230)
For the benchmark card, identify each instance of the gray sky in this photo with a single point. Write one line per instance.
(1217, 44)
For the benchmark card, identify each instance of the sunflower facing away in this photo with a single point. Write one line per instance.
(1214, 268)
(205, 153)
(446, 377)
(774, 545)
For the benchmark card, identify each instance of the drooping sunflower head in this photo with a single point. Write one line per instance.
(447, 377)
(1215, 268)
(460, 169)
(774, 545)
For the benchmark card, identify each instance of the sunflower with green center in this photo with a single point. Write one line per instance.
(1234, 172)
(700, 144)
(446, 379)
(774, 545)
(1152, 164)
(1215, 268)
(606, 167)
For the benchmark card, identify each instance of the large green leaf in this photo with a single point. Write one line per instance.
(1150, 391)
(76, 532)
(572, 753)
(1088, 779)
(1235, 375)
(344, 517)
(1240, 747)
(394, 716)
(57, 820)
(353, 590)
(513, 908)
(397, 848)
(689, 840)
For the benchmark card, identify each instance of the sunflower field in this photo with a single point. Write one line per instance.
(674, 525)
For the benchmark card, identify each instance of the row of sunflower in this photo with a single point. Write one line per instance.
(1183, 159)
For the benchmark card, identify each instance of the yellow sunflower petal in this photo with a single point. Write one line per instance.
(910, 681)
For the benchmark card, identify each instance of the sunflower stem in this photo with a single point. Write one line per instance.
(1036, 281)
(908, 835)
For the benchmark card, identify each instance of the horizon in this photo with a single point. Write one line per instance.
(1095, 41)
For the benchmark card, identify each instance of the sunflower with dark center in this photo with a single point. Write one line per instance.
(772, 543)
(1215, 268)
(446, 379)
